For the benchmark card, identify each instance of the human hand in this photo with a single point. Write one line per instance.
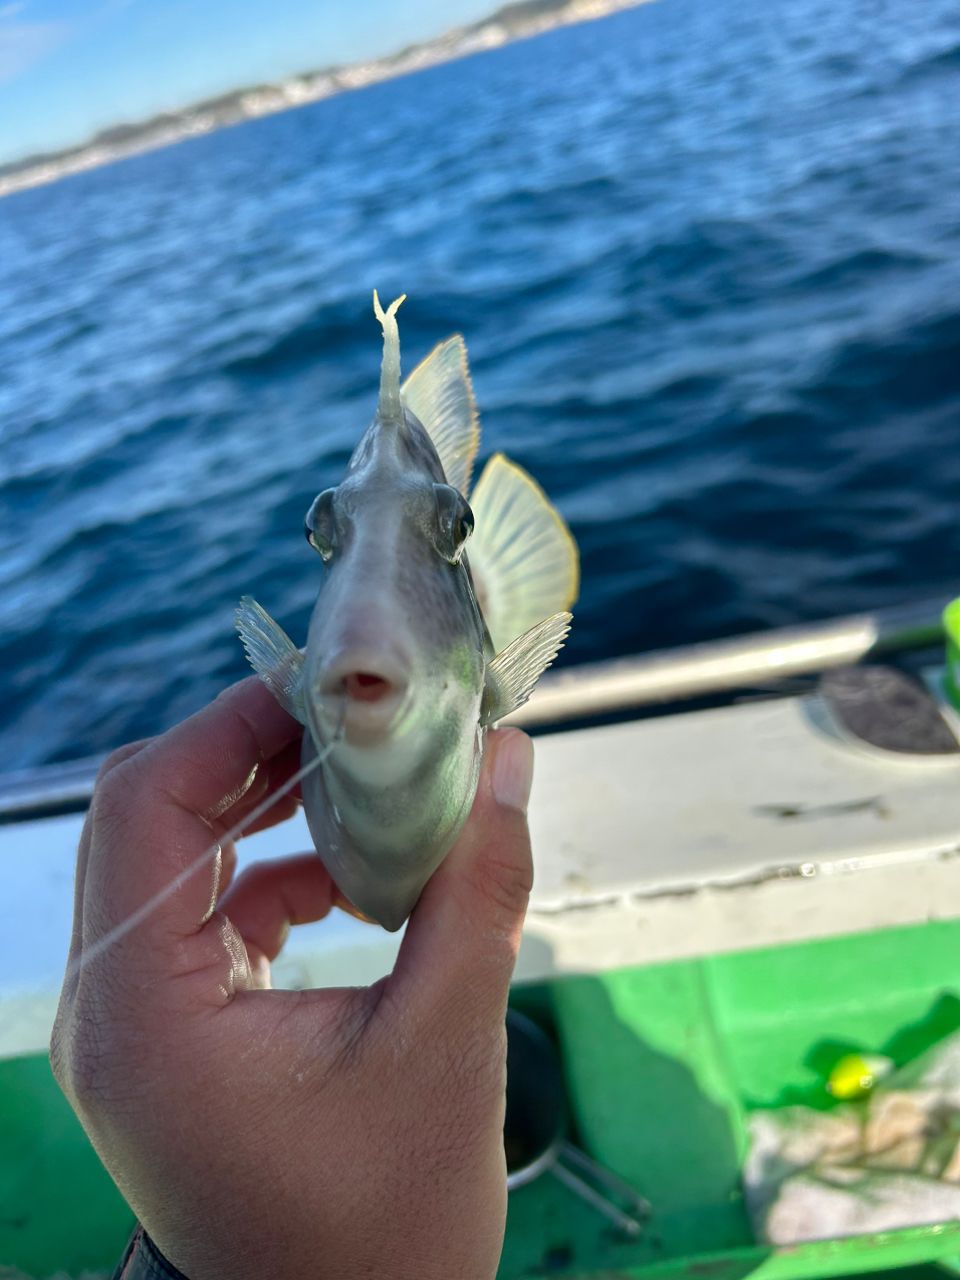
(338, 1133)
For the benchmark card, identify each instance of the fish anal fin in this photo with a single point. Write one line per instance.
(439, 394)
(273, 656)
(523, 558)
(513, 674)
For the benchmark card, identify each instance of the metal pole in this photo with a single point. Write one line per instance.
(670, 675)
(48, 790)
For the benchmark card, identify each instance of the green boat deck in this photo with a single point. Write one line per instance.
(663, 1064)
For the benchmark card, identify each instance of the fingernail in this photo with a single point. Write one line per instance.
(513, 771)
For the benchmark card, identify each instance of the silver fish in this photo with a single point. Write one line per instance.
(416, 645)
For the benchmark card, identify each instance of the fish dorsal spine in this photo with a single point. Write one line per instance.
(389, 406)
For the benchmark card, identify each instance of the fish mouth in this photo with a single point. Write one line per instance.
(366, 694)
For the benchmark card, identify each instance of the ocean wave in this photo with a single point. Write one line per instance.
(911, 368)
(710, 302)
(323, 332)
(944, 61)
(865, 268)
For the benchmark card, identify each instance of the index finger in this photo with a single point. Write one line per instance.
(152, 838)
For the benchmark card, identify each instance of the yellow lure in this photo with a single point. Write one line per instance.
(856, 1074)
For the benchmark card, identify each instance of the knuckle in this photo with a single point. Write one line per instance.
(118, 757)
(229, 694)
(98, 1055)
(113, 796)
(76, 1058)
(505, 882)
(58, 1052)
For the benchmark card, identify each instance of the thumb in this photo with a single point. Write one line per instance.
(462, 940)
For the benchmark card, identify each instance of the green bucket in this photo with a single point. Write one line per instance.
(951, 626)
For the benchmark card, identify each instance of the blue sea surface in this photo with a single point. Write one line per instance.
(706, 257)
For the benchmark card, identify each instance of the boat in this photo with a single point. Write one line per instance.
(745, 851)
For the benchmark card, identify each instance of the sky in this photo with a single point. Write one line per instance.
(71, 67)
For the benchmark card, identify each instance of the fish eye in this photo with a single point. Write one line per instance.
(454, 522)
(320, 525)
(465, 524)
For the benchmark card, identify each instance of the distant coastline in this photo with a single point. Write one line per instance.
(511, 22)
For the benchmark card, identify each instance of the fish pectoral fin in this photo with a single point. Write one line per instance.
(512, 675)
(273, 655)
(522, 556)
(439, 394)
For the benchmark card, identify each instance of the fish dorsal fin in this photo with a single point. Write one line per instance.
(440, 395)
(523, 558)
(512, 675)
(273, 655)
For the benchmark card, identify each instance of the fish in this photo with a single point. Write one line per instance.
(435, 619)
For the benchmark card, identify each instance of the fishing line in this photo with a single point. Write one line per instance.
(162, 895)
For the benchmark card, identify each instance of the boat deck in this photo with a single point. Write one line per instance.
(660, 839)
(699, 877)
